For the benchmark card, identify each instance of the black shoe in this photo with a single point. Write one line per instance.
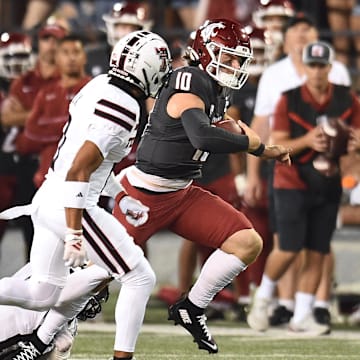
(11, 345)
(281, 316)
(322, 316)
(193, 319)
(28, 350)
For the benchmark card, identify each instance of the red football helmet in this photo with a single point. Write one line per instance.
(216, 38)
(128, 14)
(282, 8)
(273, 15)
(16, 55)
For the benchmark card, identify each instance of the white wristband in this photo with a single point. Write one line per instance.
(75, 194)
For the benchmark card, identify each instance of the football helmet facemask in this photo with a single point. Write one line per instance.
(125, 13)
(143, 59)
(16, 55)
(93, 306)
(216, 45)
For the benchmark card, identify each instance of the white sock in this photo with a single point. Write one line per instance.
(303, 306)
(288, 303)
(322, 304)
(218, 271)
(52, 324)
(266, 288)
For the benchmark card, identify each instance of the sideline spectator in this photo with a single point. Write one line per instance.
(44, 125)
(17, 106)
(281, 76)
(16, 57)
(308, 220)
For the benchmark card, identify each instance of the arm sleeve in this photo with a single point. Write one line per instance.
(205, 137)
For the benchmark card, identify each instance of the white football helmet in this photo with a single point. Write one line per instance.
(142, 58)
(132, 17)
(16, 56)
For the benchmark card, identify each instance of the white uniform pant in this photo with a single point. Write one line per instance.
(107, 244)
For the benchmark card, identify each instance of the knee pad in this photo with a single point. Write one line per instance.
(141, 276)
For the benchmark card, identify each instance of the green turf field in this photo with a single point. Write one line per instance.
(154, 346)
(161, 340)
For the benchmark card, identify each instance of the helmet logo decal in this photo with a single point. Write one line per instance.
(210, 30)
(164, 56)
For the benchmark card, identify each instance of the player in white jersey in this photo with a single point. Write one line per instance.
(18, 324)
(103, 120)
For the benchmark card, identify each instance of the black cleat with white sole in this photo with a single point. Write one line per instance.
(193, 319)
(31, 349)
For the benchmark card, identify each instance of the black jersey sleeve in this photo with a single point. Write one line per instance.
(205, 137)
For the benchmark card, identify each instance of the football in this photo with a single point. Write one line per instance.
(230, 125)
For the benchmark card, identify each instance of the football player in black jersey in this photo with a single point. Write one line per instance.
(178, 139)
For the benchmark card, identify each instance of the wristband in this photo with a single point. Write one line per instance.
(75, 194)
(73, 231)
(259, 151)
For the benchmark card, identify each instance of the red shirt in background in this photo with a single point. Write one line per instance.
(43, 127)
(287, 177)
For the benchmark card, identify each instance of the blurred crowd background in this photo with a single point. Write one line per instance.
(337, 20)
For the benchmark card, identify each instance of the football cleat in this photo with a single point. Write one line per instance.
(281, 316)
(193, 319)
(322, 315)
(257, 318)
(31, 349)
(26, 351)
(308, 325)
(11, 345)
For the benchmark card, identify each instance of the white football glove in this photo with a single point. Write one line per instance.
(74, 251)
(136, 213)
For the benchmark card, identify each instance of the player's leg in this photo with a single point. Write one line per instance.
(324, 291)
(80, 286)
(210, 221)
(109, 245)
(49, 274)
